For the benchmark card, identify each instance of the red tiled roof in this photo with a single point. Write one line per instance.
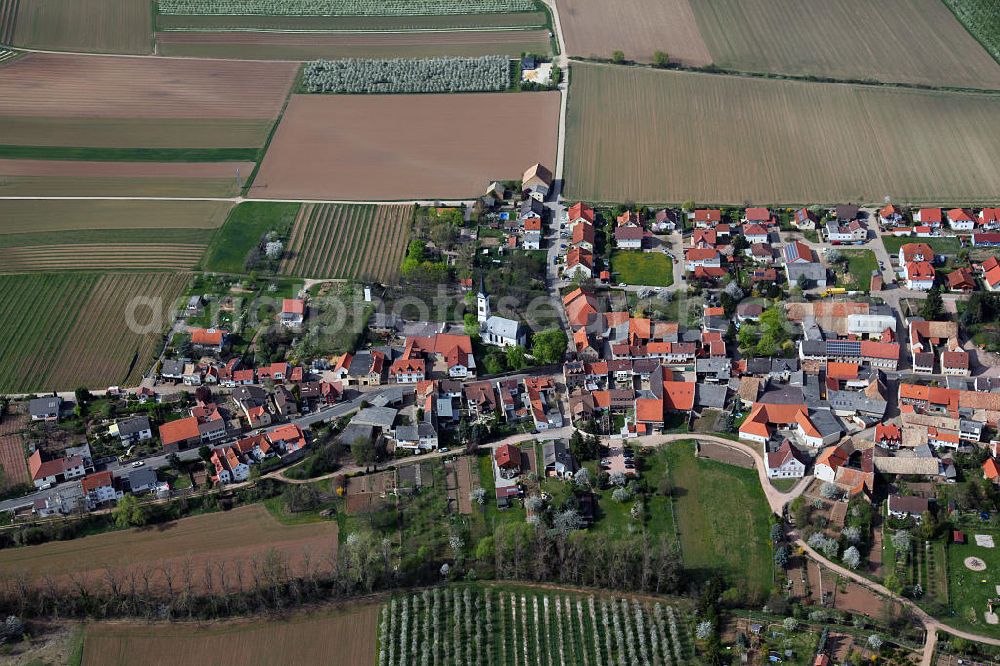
(919, 270)
(508, 456)
(293, 306)
(758, 215)
(930, 215)
(678, 396)
(910, 251)
(581, 211)
(180, 430)
(98, 480)
(649, 410)
(708, 215)
(206, 336)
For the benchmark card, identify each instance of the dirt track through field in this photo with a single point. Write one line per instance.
(400, 147)
(638, 28)
(230, 538)
(42, 84)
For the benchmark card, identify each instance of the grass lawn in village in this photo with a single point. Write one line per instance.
(723, 519)
(653, 269)
(860, 264)
(243, 231)
(970, 590)
(943, 245)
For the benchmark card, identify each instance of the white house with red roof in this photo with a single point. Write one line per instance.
(45, 472)
(100, 488)
(579, 212)
(756, 233)
(989, 219)
(293, 311)
(760, 216)
(706, 217)
(891, 216)
(932, 217)
(231, 466)
(579, 263)
(991, 273)
(919, 275)
(698, 256)
(960, 219)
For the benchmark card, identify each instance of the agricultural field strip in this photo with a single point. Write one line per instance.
(100, 348)
(207, 536)
(21, 216)
(99, 26)
(905, 41)
(343, 7)
(146, 88)
(259, 23)
(100, 257)
(12, 460)
(787, 142)
(353, 241)
(29, 342)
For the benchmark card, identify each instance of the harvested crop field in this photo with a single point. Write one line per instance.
(899, 41)
(784, 142)
(402, 147)
(310, 46)
(638, 28)
(61, 331)
(346, 636)
(348, 241)
(34, 216)
(230, 538)
(82, 178)
(102, 26)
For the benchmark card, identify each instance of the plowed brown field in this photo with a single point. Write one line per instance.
(43, 84)
(309, 46)
(402, 147)
(26, 216)
(638, 28)
(346, 637)
(230, 538)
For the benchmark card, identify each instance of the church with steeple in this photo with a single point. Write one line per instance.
(494, 330)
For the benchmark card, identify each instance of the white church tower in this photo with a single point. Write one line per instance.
(482, 303)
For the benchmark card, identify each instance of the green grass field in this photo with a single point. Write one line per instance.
(242, 231)
(723, 519)
(943, 245)
(644, 268)
(860, 264)
(970, 590)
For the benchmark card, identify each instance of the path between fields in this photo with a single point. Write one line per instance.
(241, 199)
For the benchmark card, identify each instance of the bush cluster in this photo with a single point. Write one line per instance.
(407, 75)
(344, 7)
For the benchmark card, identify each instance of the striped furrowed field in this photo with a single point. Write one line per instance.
(466, 626)
(83, 257)
(675, 136)
(895, 41)
(14, 469)
(99, 26)
(348, 241)
(60, 331)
